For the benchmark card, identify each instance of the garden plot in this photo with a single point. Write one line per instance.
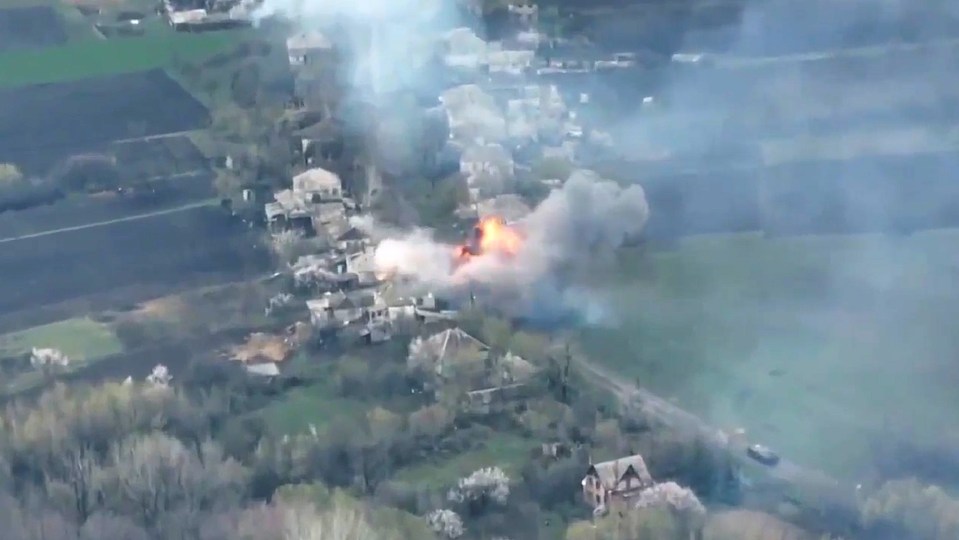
(166, 253)
(155, 158)
(41, 125)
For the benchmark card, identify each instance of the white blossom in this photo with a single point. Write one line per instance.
(673, 496)
(446, 522)
(489, 482)
(47, 358)
(160, 376)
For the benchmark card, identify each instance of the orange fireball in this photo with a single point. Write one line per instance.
(495, 236)
(491, 235)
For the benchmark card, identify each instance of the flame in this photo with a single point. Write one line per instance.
(492, 235)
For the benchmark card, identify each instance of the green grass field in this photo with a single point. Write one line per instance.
(315, 405)
(503, 450)
(81, 339)
(88, 54)
(812, 344)
(98, 58)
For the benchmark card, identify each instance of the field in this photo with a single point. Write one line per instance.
(313, 405)
(93, 57)
(500, 449)
(82, 210)
(80, 339)
(814, 345)
(171, 252)
(43, 124)
(153, 158)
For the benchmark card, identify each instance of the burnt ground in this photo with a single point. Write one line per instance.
(162, 254)
(30, 27)
(82, 210)
(42, 125)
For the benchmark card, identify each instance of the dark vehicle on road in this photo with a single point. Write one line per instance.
(763, 455)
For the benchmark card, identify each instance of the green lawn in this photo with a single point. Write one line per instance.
(811, 344)
(80, 339)
(161, 47)
(504, 450)
(316, 405)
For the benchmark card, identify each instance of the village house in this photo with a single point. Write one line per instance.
(612, 484)
(511, 60)
(460, 367)
(526, 14)
(309, 48)
(496, 399)
(320, 275)
(472, 115)
(351, 240)
(319, 142)
(450, 355)
(290, 211)
(462, 48)
(339, 309)
(319, 185)
(490, 159)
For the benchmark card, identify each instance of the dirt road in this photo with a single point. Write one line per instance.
(676, 418)
(137, 217)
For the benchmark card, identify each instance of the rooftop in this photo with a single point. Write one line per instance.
(316, 180)
(309, 40)
(610, 472)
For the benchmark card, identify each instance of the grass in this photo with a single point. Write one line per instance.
(814, 345)
(81, 339)
(503, 450)
(315, 405)
(161, 47)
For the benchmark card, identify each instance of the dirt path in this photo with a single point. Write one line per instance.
(184, 208)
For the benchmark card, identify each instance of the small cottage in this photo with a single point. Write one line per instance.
(308, 48)
(319, 185)
(614, 483)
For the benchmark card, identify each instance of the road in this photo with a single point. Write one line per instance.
(723, 61)
(137, 217)
(676, 418)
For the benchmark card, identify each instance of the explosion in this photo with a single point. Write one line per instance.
(491, 236)
(523, 268)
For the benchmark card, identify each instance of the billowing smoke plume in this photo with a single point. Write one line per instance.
(390, 38)
(573, 227)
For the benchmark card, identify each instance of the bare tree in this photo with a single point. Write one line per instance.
(156, 477)
(105, 526)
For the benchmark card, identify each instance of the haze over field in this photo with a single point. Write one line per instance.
(819, 346)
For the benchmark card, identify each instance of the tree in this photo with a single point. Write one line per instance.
(430, 422)
(480, 489)
(446, 522)
(921, 511)
(690, 514)
(10, 176)
(161, 483)
(383, 424)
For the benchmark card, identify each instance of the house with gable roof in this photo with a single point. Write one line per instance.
(339, 309)
(450, 355)
(308, 48)
(461, 367)
(616, 482)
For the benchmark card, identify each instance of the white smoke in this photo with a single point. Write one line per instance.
(576, 224)
(390, 37)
